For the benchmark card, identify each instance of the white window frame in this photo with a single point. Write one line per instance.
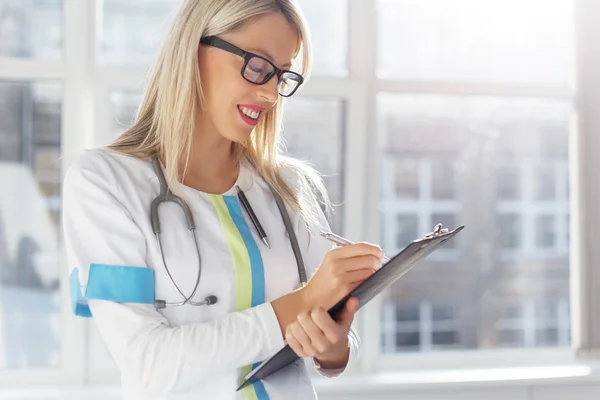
(74, 77)
(363, 55)
(86, 88)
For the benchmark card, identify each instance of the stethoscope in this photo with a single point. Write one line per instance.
(166, 195)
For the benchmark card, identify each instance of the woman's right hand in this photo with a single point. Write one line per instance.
(342, 269)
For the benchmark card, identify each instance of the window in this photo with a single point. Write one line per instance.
(30, 126)
(443, 181)
(419, 328)
(419, 112)
(509, 231)
(328, 21)
(467, 41)
(499, 146)
(123, 106)
(407, 229)
(314, 131)
(534, 323)
(508, 183)
(31, 29)
(132, 31)
(534, 221)
(407, 179)
(545, 182)
(423, 195)
(545, 236)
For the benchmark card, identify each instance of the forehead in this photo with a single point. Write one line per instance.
(269, 35)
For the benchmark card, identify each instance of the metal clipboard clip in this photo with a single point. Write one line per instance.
(437, 231)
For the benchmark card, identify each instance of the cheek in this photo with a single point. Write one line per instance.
(220, 95)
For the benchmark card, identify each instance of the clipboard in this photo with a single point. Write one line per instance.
(389, 273)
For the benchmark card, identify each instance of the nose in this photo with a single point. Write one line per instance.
(269, 91)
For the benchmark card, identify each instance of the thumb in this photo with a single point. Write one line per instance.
(347, 314)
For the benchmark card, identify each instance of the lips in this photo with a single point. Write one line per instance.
(250, 114)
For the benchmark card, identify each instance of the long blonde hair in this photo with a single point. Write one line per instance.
(164, 123)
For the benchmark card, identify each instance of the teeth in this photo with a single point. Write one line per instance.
(250, 113)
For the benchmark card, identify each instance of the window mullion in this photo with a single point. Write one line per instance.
(77, 133)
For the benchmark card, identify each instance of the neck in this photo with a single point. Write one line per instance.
(212, 165)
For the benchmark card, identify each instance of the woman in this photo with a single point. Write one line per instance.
(209, 121)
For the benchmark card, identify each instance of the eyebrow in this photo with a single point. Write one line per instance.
(266, 54)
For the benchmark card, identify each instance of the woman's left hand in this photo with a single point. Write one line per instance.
(316, 334)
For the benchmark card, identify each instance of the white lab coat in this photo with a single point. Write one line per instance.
(187, 352)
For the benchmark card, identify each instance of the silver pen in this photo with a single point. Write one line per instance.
(340, 241)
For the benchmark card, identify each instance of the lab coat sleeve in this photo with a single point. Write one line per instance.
(314, 248)
(153, 356)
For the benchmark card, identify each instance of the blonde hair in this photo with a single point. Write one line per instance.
(164, 123)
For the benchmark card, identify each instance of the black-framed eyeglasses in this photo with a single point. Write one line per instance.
(258, 70)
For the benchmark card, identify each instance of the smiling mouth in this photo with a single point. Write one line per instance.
(249, 116)
(254, 114)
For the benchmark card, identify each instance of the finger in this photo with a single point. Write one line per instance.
(356, 250)
(317, 338)
(352, 304)
(333, 331)
(358, 276)
(294, 343)
(346, 316)
(356, 263)
(299, 333)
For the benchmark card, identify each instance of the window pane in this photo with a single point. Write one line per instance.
(439, 313)
(30, 115)
(544, 232)
(513, 338)
(407, 228)
(328, 23)
(517, 41)
(545, 183)
(547, 311)
(509, 231)
(123, 106)
(132, 30)
(407, 314)
(443, 184)
(480, 136)
(408, 339)
(31, 28)
(547, 337)
(407, 175)
(444, 338)
(508, 184)
(512, 312)
(314, 131)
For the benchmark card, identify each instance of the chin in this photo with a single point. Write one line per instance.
(241, 136)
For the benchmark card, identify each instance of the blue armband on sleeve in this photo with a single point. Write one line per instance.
(113, 283)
